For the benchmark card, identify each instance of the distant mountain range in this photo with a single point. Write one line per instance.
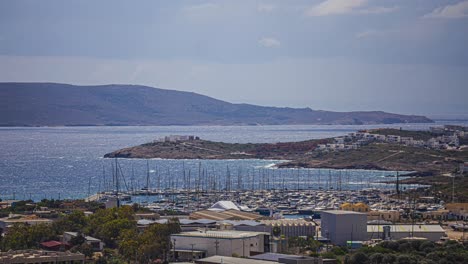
(54, 104)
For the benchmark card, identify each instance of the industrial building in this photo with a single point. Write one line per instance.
(340, 226)
(219, 242)
(288, 227)
(396, 232)
(285, 259)
(230, 214)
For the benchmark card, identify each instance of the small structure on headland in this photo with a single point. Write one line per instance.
(177, 138)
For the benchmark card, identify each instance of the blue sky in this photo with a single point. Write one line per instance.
(407, 56)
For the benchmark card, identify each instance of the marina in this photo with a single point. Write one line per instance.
(267, 191)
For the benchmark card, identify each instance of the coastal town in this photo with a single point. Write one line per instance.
(447, 137)
(234, 132)
(263, 223)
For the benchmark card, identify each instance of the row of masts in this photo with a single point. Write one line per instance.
(207, 179)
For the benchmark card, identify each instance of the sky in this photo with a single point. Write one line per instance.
(401, 56)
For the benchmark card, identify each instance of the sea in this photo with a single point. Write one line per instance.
(67, 162)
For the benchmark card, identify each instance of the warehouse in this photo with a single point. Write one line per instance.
(396, 232)
(223, 242)
(340, 226)
(287, 227)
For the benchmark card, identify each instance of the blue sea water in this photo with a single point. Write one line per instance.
(66, 162)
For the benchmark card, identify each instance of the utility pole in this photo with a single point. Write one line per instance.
(173, 251)
(243, 244)
(216, 246)
(192, 251)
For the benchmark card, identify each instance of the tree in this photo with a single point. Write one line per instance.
(107, 224)
(128, 244)
(388, 259)
(84, 248)
(376, 258)
(276, 231)
(359, 258)
(78, 240)
(74, 222)
(23, 236)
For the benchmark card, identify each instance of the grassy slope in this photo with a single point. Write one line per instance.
(202, 149)
(387, 157)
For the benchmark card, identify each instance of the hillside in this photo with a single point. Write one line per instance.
(51, 104)
(203, 149)
(380, 156)
(384, 156)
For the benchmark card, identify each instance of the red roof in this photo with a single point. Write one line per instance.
(52, 243)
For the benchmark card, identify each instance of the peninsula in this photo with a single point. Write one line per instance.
(425, 152)
(54, 104)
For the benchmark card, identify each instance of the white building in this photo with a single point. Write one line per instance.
(224, 243)
(339, 140)
(393, 139)
(396, 232)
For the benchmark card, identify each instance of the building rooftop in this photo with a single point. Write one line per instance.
(25, 219)
(39, 256)
(232, 260)
(269, 256)
(288, 222)
(342, 212)
(406, 228)
(182, 221)
(228, 234)
(87, 238)
(230, 214)
(223, 205)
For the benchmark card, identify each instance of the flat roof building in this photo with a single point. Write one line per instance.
(286, 259)
(341, 226)
(40, 256)
(223, 243)
(397, 232)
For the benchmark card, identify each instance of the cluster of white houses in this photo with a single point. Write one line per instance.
(448, 137)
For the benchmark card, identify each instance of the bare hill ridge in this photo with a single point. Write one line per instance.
(54, 104)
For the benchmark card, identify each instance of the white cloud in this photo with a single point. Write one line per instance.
(269, 42)
(379, 10)
(457, 10)
(369, 33)
(341, 7)
(202, 11)
(335, 7)
(201, 7)
(266, 8)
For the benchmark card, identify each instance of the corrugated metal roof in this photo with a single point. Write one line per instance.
(242, 222)
(220, 234)
(225, 215)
